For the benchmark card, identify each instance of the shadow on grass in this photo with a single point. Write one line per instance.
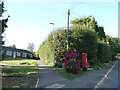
(20, 71)
(8, 59)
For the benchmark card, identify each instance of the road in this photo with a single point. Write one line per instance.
(89, 80)
(112, 80)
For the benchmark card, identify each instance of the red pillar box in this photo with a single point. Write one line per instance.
(84, 61)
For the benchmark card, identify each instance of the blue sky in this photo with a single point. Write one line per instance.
(29, 21)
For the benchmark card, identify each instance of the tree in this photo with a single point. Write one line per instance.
(30, 47)
(101, 33)
(114, 43)
(13, 46)
(104, 53)
(89, 23)
(85, 41)
(3, 25)
(3, 21)
(86, 22)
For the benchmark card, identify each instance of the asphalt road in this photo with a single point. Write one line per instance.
(51, 79)
(112, 80)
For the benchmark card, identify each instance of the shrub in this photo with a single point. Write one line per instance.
(104, 54)
(86, 42)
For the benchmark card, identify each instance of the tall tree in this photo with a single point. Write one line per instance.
(101, 33)
(86, 22)
(30, 47)
(3, 25)
(114, 43)
(89, 23)
(3, 21)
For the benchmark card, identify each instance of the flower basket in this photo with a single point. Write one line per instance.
(72, 63)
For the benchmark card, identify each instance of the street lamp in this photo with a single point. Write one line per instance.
(53, 46)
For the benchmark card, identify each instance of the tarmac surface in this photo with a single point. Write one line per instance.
(51, 79)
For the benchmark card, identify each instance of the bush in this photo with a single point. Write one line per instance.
(96, 67)
(104, 54)
(86, 42)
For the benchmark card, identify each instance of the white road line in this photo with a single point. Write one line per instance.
(100, 82)
(37, 83)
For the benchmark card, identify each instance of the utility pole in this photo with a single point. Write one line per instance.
(68, 30)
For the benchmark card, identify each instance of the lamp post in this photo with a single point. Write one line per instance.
(53, 48)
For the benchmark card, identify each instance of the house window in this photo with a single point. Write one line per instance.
(24, 55)
(18, 53)
(9, 53)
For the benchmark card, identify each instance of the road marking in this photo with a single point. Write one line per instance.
(56, 86)
(37, 83)
(100, 82)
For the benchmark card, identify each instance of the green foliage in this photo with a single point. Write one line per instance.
(114, 44)
(81, 40)
(101, 33)
(3, 10)
(85, 22)
(19, 62)
(19, 71)
(118, 48)
(22, 76)
(88, 23)
(60, 45)
(4, 21)
(85, 41)
(86, 36)
(104, 53)
(96, 67)
(45, 51)
(69, 76)
(4, 25)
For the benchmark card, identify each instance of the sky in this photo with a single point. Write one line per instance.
(29, 20)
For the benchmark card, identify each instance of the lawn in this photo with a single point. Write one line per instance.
(19, 73)
(19, 62)
(69, 76)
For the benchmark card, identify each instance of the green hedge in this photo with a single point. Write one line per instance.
(104, 54)
(85, 41)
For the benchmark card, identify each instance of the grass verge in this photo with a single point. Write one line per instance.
(19, 62)
(19, 73)
(101, 66)
(69, 76)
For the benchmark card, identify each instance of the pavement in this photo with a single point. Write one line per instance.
(48, 77)
(51, 79)
(111, 81)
